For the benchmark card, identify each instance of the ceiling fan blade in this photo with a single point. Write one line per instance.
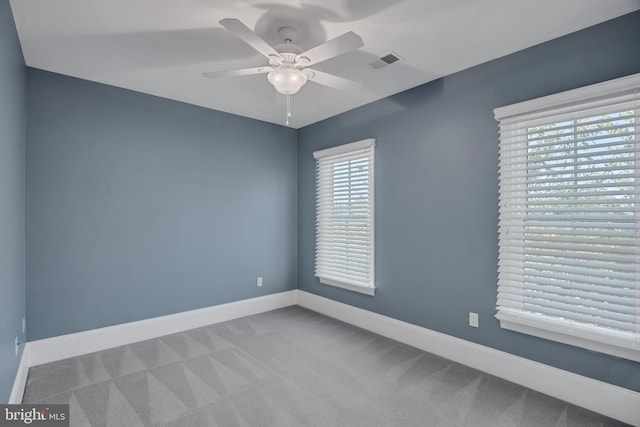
(334, 47)
(249, 37)
(235, 73)
(331, 80)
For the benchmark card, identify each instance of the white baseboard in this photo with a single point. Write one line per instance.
(606, 399)
(71, 345)
(17, 391)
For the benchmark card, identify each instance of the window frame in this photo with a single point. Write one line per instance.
(553, 106)
(326, 157)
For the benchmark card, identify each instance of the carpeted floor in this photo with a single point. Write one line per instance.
(289, 367)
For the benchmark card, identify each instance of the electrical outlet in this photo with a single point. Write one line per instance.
(17, 342)
(259, 281)
(473, 319)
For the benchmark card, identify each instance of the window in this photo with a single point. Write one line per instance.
(344, 216)
(569, 232)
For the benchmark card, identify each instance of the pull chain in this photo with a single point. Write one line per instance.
(288, 109)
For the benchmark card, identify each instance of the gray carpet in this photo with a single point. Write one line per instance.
(289, 367)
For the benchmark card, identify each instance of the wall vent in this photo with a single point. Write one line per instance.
(385, 60)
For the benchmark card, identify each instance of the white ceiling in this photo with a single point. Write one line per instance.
(161, 47)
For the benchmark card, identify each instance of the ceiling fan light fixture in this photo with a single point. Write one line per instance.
(288, 63)
(287, 80)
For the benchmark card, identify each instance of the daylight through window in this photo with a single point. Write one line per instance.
(569, 217)
(344, 216)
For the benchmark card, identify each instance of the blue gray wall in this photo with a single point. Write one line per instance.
(437, 191)
(139, 206)
(12, 193)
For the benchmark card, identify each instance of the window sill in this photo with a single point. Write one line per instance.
(611, 349)
(355, 288)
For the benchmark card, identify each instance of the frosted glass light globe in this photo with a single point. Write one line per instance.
(287, 80)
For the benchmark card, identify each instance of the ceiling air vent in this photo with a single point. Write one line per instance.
(385, 60)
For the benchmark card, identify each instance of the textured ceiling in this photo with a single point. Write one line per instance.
(162, 47)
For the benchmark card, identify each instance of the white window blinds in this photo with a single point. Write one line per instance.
(569, 232)
(344, 216)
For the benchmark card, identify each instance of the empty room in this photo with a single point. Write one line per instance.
(320, 213)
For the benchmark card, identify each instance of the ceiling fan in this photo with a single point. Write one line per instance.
(288, 64)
